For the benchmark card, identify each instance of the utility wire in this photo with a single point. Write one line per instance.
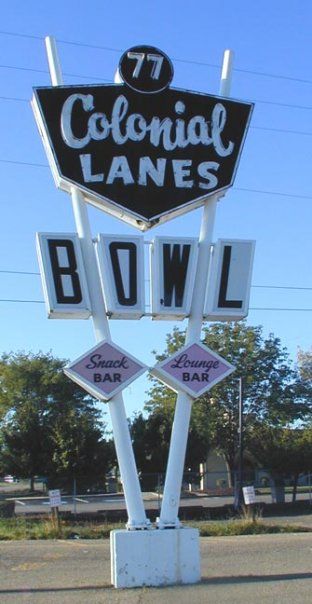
(282, 309)
(245, 190)
(300, 132)
(258, 308)
(187, 61)
(278, 104)
(19, 272)
(287, 287)
(22, 301)
(264, 128)
(280, 287)
(45, 71)
(23, 163)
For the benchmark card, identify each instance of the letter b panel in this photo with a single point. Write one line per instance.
(63, 276)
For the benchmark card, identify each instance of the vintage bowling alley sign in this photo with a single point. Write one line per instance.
(141, 150)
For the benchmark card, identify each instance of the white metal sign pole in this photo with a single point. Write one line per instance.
(132, 491)
(174, 472)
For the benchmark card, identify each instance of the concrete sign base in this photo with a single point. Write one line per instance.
(154, 557)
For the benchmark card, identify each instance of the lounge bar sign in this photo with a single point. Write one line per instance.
(141, 150)
(195, 369)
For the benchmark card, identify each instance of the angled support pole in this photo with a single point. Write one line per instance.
(174, 473)
(134, 502)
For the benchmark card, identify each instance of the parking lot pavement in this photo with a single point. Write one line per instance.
(265, 568)
(96, 503)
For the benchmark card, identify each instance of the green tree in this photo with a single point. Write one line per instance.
(305, 364)
(285, 452)
(49, 426)
(150, 437)
(274, 392)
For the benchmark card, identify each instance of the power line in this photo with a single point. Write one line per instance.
(282, 309)
(23, 163)
(264, 128)
(19, 272)
(276, 103)
(13, 98)
(259, 191)
(18, 35)
(286, 287)
(45, 71)
(281, 287)
(187, 61)
(22, 301)
(288, 105)
(258, 308)
(300, 132)
(244, 190)
(276, 193)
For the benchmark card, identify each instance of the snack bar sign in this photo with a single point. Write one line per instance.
(105, 370)
(141, 150)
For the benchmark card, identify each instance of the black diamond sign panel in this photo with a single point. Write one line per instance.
(144, 158)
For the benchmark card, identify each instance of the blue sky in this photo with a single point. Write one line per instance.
(271, 200)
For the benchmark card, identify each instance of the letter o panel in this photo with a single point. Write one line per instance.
(63, 276)
(121, 267)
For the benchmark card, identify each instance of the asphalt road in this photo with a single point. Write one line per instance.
(264, 568)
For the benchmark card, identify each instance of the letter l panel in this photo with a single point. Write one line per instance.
(229, 280)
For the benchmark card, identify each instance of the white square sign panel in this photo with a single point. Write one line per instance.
(63, 276)
(121, 266)
(173, 268)
(229, 280)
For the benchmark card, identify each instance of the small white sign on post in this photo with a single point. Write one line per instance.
(249, 495)
(55, 498)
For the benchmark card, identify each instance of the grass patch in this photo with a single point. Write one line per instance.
(244, 527)
(23, 528)
(28, 529)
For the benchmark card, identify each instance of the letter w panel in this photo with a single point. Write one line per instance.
(173, 267)
(63, 276)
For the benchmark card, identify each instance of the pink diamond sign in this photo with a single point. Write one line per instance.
(194, 369)
(105, 370)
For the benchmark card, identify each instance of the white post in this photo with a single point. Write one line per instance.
(131, 485)
(178, 442)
